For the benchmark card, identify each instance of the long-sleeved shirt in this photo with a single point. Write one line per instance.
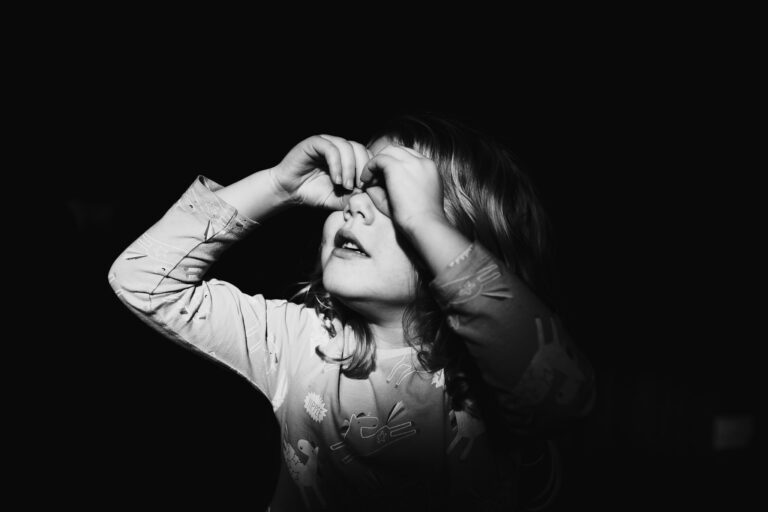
(391, 440)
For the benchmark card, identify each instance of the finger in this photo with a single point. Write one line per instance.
(396, 151)
(359, 177)
(361, 158)
(375, 167)
(348, 161)
(345, 197)
(379, 198)
(334, 201)
(320, 148)
(413, 152)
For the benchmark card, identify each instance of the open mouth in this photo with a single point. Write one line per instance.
(346, 243)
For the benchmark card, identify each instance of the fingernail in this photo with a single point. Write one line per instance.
(348, 184)
(337, 180)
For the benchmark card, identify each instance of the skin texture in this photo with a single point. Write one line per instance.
(520, 348)
(378, 287)
(377, 193)
(401, 194)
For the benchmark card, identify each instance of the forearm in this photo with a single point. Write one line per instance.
(174, 254)
(257, 196)
(160, 277)
(517, 342)
(437, 241)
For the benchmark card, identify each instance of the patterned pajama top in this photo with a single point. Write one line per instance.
(391, 441)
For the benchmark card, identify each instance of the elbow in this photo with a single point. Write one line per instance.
(113, 277)
(591, 401)
(112, 274)
(125, 281)
(576, 399)
(587, 390)
(562, 416)
(116, 277)
(558, 407)
(119, 276)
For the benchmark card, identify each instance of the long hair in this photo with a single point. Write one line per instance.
(490, 200)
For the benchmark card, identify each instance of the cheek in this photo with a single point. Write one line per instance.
(332, 224)
(402, 269)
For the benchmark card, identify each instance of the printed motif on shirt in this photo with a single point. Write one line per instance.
(403, 368)
(315, 407)
(541, 376)
(303, 469)
(438, 379)
(363, 435)
(467, 428)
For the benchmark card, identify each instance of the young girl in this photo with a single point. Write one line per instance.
(421, 360)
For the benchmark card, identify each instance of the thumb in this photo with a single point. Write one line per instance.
(379, 198)
(373, 170)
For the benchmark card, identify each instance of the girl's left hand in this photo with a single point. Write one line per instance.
(404, 185)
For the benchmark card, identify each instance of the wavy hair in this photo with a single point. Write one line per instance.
(490, 200)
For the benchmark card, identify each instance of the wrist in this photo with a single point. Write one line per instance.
(422, 222)
(437, 241)
(281, 193)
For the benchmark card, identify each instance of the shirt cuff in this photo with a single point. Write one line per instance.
(472, 273)
(201, 201)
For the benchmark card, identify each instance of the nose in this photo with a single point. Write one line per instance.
(359, 203)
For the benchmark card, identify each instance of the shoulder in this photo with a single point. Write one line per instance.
(300, 321)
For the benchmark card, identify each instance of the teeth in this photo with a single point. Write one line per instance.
(352, 246)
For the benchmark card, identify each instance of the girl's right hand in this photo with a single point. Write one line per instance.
(321, 171)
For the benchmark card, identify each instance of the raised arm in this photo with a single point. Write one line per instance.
(517, 343)
(160, 277)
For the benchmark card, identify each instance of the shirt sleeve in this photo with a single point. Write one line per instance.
(159, 277)
(520, 347)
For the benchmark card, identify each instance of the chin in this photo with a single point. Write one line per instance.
(339, 284)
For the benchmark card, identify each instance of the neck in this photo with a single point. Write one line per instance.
(385, 322)
(388, 336)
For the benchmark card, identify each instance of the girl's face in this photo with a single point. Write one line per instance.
(381, 280)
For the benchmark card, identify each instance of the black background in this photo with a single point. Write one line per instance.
(635, 146)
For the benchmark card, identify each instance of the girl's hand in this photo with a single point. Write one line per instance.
(321, 171)
(404, 185)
